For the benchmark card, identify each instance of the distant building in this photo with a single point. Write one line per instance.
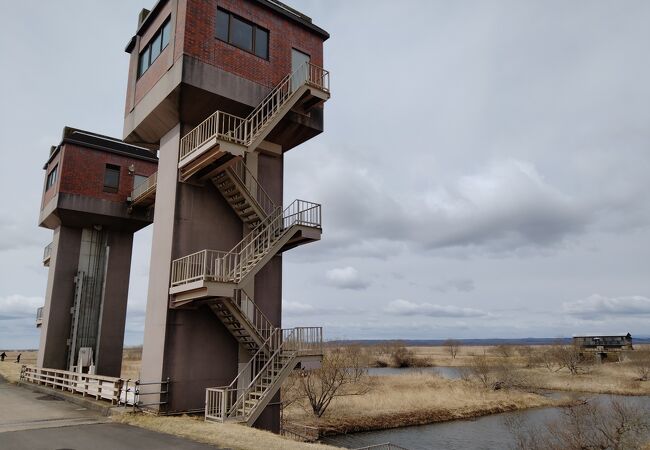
(603, 346)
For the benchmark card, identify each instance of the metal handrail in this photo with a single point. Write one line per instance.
(385, 446)
(243, 131)
(233, 266)
(225, 401)
(220, 125)
(47, 251)
(308, 73)
(255, 317)
(246, 178)
(145, 187)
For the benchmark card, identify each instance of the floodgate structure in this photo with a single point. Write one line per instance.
(218, 91)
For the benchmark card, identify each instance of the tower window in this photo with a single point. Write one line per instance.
(51, 178)
(111, 178)
(242, 33)
(154, 48)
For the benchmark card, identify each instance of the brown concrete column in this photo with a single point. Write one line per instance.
(155, 327)
(113, 314)
(59, 298)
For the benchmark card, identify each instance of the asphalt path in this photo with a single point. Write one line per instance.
(30, 420)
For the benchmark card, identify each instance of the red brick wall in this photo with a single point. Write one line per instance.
(82, 172)
(194, 34)
(201, 41)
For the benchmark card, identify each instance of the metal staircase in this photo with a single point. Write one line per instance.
(222, 133)
(243, 401)
(215, 273)
(244, 320)
(243, 192)
(215, 150)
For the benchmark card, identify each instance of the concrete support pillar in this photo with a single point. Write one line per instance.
(103, 308)
(59, 296)
(153, 350)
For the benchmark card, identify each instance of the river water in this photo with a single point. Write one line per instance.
(445, 372)
(483, 433)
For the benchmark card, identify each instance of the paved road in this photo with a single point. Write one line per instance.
(33, 421)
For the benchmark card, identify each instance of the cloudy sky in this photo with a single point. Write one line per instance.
(484, 170)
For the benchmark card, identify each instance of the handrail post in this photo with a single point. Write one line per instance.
(205, 264)
(224, 394)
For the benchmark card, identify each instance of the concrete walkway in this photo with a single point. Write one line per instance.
(30, 420)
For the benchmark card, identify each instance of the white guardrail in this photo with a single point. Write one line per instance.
(98, 386)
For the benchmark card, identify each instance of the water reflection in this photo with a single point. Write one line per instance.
(484, 433)
(445, 372)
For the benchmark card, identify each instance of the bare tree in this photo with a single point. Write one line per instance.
(453, 347)
(481, 370)
(504, 350)
(569, 356)
(639, 360)
(591, 425)
(340, 367)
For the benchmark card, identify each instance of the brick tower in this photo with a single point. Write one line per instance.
(88, 180)
(222, 89)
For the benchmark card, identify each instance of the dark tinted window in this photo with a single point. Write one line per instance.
(144, 61)
(51, 178)
(155, 47)
(222, 24)
(111, 178)
(243, 34)
(262, 43)
(166, 33)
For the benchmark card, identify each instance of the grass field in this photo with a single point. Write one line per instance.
(236, 437)
(415, 399)
(10, 370)
(394, 401)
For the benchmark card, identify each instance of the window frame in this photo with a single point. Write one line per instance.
(115, 168)
(51, 178)
(158, 36)
(254, 26)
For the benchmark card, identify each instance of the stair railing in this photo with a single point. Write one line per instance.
(231, 401)
(294, 341)
(221, 400)
(240, 171)
(234, 265)
(308, 73)
(244, 130)
(144, 188)
(254, 315)
(221, 125)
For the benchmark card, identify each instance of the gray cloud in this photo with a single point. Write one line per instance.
(597, 307)
(509, 146)
(505, 206)
(407, 308)
(19, 306)
(13, 235)
(346, 278)
(458, 284)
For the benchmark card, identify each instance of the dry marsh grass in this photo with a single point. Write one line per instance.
(611, 378)
(413, 399)
(131, 363)
(11, 370)
(236, 437)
